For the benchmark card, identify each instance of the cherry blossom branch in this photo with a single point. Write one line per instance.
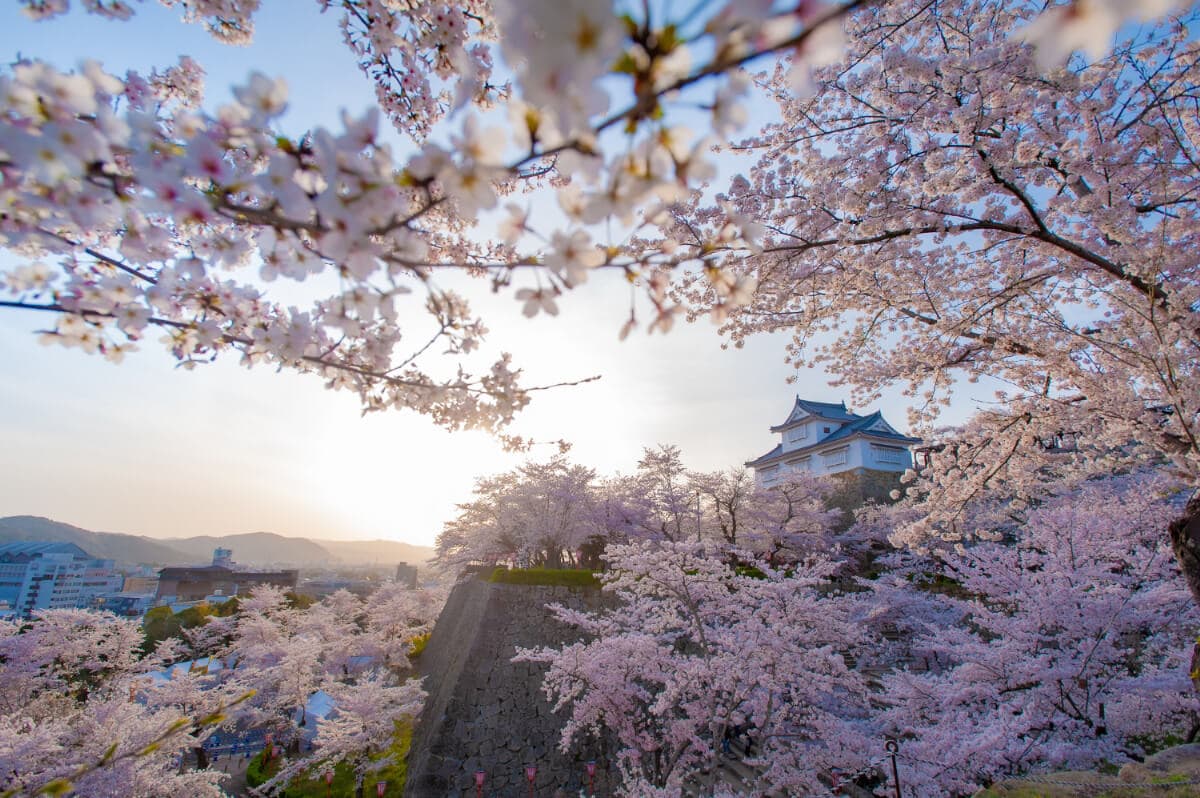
(63, 786)
(316, 360)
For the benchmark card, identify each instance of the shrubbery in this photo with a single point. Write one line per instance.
(395, 774)
(570, 577)
(259, 770)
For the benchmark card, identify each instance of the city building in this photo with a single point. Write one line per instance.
(407, 575)
(319, 587)
(37, 575)
(131, 605)
(223, 577)
(823, 438)
(141, 584)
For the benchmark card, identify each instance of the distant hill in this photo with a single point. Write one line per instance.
(104, 545)
(255, 548)
(377, 551)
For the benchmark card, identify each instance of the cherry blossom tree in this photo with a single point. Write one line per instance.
(670, 504)
(395, 616)
(133, 209)
(354, 650)
(1007, 214)
(538, 514)
(1060, 648)
(726, 495)
(619, 512)
(694, 647)
(1057, 642)
(70, 682)
(950, 194)
(552, 514)
(286, 654)
(789, 520)
(85, 709)
(364, 723)
(793, 519)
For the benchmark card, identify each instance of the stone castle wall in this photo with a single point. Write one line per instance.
(485, 712)
(856, 488)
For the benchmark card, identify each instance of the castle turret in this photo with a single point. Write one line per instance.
(824, 438)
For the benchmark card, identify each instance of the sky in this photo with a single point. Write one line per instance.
(145, 447)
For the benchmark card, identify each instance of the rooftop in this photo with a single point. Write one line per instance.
(826, 410)
(863, 425)
(27, 549)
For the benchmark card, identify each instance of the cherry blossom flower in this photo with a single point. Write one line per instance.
(537, 301)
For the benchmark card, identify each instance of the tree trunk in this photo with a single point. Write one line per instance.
(201, 757)
(1185, 540)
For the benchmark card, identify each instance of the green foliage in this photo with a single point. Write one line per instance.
(941, 584)
(395, 773)
(418, 645)
(157, 614)
(160, 623)
(570, 577)
(300, 601)
(259, 770)
(194, 616)
(56, 787)
(1151, 744)
(342, 785)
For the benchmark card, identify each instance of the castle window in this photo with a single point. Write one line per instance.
(888, 454)
(836, 457)
(800, 464)
(797, 433)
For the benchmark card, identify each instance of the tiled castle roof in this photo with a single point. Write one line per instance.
(826, 410)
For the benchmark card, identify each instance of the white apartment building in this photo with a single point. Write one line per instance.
(36, 575)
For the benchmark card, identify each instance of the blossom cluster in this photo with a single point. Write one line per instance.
(87, 711)
(951, 209)
(1059, 644)
(143, 207)
(558, 514)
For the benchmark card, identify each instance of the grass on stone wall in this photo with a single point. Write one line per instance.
(569, 577)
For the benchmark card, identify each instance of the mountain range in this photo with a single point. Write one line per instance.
(254, 548)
